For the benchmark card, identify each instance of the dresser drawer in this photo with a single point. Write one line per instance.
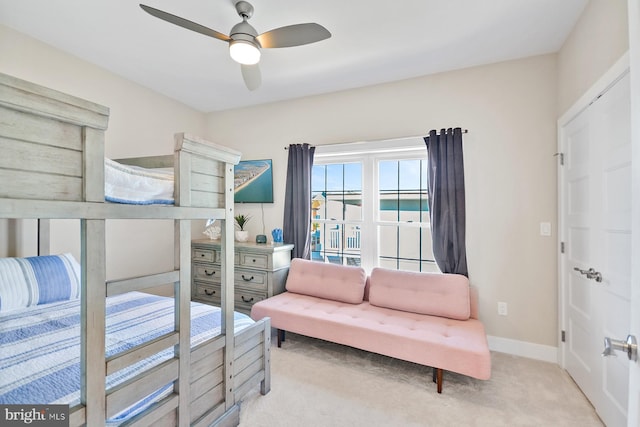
(251, 279)
(206, 272)
(208, 293)
(245, 299)
(254, 260)
(205, 255)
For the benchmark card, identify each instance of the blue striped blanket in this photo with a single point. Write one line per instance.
(40, 351)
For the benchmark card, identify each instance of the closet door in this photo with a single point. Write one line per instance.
(596, 267)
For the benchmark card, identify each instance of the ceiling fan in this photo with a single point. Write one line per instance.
(245, 42)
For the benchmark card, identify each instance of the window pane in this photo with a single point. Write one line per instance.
(334, 178)
(336, 243)
(410, 173)
(403, 190)
(388, 175)
(337, 191)
(337, 199)
(409, 265)
(424, 214)
(409, 243)
(353, 177)
(318, 176)
(426, 245)
(405, 247)
(388, 241)
(430, 267)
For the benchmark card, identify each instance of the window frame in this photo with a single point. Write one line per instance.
(369, 154)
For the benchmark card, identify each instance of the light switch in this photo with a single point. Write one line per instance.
(545, 229)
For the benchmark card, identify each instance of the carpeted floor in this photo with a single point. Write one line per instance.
(316, 383)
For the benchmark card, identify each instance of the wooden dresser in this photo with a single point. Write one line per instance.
(260, 272)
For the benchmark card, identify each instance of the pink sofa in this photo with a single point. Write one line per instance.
(426, 318)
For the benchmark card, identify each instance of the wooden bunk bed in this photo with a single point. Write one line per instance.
(52, 166)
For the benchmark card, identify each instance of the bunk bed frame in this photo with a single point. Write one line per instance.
(52, 167)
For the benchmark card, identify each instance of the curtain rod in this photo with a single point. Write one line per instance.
(402, 137)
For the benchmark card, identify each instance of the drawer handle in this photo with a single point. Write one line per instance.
(209, 274)
(253, 260)
(246, 300)
(203, 255)
(208, 292)
(247, 280)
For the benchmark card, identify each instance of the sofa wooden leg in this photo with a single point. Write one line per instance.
(437, 375)
(280, 334)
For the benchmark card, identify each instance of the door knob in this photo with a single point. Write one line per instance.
(579, 270)
(591, 273)
(630, 346)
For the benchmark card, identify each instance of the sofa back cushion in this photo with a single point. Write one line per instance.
(444, 295)
(329, 281)
(26, 282)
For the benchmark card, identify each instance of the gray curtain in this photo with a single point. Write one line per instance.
(446, 199)
(297, 200)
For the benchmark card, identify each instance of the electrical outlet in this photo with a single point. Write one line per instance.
(502, 308)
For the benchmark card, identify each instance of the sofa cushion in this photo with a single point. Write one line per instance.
(444, 295)
(329, 281)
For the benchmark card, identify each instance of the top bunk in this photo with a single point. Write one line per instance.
(53, 163)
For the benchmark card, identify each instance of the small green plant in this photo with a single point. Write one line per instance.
(241, 221)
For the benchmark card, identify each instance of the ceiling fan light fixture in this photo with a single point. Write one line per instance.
(244, 52)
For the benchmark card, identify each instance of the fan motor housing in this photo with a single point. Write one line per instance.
(244, 9)
(244, 31)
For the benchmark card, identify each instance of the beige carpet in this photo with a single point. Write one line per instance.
(315, 383)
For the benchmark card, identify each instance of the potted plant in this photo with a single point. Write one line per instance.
(241, 220)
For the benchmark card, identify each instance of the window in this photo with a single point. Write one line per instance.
(369, 207)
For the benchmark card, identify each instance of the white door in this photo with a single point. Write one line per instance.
(596, 266)
(634, 326)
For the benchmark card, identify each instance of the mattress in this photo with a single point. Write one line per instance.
(40, 352)
(137, 186)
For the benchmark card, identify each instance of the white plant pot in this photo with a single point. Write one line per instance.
(242, 236)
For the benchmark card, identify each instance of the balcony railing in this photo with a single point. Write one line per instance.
(337, 245)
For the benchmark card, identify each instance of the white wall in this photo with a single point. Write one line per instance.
(142, 122)
(599, 39)
(510, 111)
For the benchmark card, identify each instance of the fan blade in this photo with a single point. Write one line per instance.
(185, 23)
(293, 35)
(251, 75)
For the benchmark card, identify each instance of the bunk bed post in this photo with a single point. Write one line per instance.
(92, 337)
(228, 302)
(182, 290)
(94, 289)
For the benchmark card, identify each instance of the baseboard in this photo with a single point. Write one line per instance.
(545, 353)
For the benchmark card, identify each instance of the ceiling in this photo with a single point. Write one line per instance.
(372, 41)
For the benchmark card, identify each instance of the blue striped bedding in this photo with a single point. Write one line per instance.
(39, 346)
(38, 280)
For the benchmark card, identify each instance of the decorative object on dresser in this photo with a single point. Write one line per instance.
(276, 233)
(260, 272)
(211, 230)
(241, 220)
